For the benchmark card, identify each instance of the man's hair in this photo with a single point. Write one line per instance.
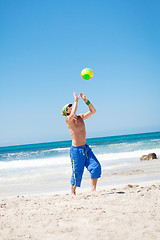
(69, 105)
(64, 113)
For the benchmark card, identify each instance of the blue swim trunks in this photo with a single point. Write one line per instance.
(83, 157)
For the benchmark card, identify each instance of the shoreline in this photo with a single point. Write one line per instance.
(141, 173)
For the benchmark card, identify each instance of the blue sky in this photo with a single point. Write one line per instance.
(44, 45)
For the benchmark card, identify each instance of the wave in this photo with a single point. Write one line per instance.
(124, 155)
(59, 161)
(56, 149)
(35, 163)
(40, 154)
(155, 140)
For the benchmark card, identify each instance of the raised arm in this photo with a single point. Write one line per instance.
(74, 108)
(91, 111)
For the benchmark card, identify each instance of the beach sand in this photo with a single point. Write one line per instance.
(131, 212)
(127, 206)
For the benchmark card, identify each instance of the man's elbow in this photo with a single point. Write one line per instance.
(94, 111)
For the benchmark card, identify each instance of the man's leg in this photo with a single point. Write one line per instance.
(94, 167)
(73, 190)
(78, 163)
(94, 184)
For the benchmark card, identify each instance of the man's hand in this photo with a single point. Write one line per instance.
(83, 96)
(75, 96)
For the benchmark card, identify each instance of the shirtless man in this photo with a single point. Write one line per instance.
(80, 153)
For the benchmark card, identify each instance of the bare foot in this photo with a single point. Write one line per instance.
(73, 190)
(94, 193)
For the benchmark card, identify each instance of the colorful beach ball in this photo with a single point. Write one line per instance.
(87, 73)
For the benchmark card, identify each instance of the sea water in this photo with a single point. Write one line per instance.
(46, 167)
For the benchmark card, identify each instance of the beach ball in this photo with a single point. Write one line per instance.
(87, 73)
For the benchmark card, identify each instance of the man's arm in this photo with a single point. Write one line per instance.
(91, 111)
(74, 108)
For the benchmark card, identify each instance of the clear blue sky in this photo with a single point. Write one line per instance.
(44, 45)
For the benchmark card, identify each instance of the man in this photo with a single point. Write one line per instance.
(80, 153)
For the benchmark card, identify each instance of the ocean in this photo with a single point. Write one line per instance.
(46, 167)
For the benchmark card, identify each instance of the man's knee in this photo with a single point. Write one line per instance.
(76, 179)
(96, 171)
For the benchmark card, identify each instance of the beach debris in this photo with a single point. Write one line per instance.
(3, 205)
(128, 186)
(120, 192)
(149, 156)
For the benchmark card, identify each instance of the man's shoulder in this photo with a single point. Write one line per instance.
(68, 120)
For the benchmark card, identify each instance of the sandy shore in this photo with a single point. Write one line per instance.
(132, 212)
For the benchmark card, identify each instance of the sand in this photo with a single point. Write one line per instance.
(131, 212)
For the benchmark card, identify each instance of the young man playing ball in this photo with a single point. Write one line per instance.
(80, 153)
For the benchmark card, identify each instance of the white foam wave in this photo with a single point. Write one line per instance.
(57, 161)
(45, 162)
(123, 155)
(56, 149)
(155, 140)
